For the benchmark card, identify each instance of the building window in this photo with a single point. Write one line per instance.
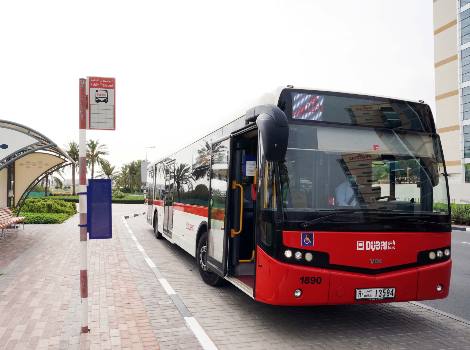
(467, 172)
(466, 103)
(466, 140)
(465, 26)
(464, 2)
(465, 63)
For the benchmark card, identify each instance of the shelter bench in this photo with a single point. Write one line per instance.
(9, 220)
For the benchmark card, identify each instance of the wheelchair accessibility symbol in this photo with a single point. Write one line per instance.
(307, 239)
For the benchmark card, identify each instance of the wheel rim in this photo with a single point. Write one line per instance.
(203, 257)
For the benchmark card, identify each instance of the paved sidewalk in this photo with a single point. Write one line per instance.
(39, 292)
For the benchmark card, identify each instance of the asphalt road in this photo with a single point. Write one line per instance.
(458, 301)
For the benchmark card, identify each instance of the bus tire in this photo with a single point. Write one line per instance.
(201, 258)
(157, 234)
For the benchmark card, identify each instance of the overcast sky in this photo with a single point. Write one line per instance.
(183, 68)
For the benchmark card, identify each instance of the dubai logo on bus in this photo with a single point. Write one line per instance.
(375, 245)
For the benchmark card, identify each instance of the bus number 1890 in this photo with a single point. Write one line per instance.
(310, 280)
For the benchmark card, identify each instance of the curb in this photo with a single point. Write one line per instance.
(133, 215)
(460, 228)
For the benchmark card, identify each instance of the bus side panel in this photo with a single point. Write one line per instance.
(187, 219)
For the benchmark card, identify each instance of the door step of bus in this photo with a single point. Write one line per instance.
(245, 288)
(245, 269)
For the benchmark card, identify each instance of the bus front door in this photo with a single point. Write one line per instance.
(219, 190)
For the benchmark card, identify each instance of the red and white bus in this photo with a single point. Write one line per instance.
(317, 198)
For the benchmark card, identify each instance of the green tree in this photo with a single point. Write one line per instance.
(95, 153)
(72, 151)
(107, 170)
(128, 179)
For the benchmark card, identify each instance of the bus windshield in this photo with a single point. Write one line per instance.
(335, 168)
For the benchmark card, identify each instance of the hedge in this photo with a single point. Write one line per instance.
(46, 211)
(44, 218)
(460, 214)
(46, 205)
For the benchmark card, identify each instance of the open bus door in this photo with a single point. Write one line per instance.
(231, 237)
(218, 220)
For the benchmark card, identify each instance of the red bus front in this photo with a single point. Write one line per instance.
(355, 214)
(349, 275)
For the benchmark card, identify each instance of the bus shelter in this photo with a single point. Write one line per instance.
(26, 157)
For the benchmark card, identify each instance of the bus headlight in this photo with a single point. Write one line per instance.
(447, 252)
(298, 255)
(439, 254)
(288, 253)
(297, 293)
(308, 256)
(432, 255)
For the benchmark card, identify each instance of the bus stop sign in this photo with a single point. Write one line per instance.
(99, 220)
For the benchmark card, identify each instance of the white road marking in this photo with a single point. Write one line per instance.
(191, 322)
(166, 286)
(150, 262)
(465, 242)
(200, 334)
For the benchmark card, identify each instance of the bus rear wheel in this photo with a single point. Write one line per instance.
(157, 234)
(201, 257)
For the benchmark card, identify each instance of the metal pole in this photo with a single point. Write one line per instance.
(82, 208)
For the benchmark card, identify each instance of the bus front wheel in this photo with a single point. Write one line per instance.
(208, 277)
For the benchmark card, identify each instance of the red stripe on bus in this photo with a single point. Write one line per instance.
(200, 210)
(192, 209)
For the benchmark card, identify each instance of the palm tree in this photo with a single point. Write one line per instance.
(125, 176)
(128, 178)
(106, 169)
(182, 176)
(73, 153)
(94, 154)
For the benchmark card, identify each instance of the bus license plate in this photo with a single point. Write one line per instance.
(375, 293)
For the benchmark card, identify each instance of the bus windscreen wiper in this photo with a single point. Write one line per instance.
(305, 224)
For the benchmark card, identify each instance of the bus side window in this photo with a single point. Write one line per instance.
(268, 197)
(269, 186)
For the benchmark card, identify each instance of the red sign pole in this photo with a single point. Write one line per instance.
(82, 208)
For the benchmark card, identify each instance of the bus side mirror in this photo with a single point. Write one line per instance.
(274, 131)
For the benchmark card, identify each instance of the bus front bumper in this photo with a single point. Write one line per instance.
(277, 282)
